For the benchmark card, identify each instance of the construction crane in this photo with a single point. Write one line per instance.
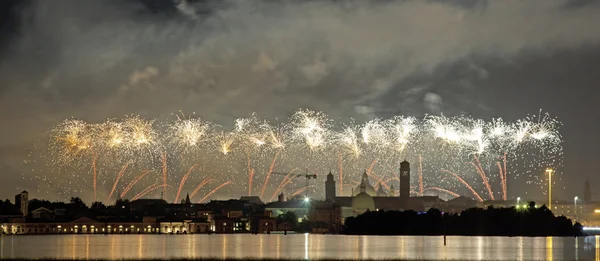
(307, 176)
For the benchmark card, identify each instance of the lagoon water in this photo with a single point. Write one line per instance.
(303, 246)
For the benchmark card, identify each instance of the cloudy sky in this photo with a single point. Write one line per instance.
(225, 59)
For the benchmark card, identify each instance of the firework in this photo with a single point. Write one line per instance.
(251, 150)
(188, 136)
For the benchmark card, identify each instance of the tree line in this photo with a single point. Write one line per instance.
(527, 221)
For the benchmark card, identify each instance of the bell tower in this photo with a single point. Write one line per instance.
(404, 180)
(330, 188)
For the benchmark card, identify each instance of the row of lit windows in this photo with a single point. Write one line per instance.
(76, 229)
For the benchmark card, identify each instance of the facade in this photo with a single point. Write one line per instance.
(300, 207)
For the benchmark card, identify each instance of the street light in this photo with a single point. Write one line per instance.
(549, 170)
(518, 200)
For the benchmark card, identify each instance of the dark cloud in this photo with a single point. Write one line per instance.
(98, 59)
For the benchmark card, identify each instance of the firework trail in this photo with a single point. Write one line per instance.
(301, 190)
(204, 182)
(341, 180)
(501, 180)
(420, 176)
(133, 182)
(443, 190)
(182, 182)
(386, 181)
(483, 176)
(117, 180)
(377, 178)
(465, 183)
(164, 174)
(502, 173)
(288, 178)
(250, 176)
(371, 167)
(94, 159)
(262, 192)
(214, 190)
(147, 190)
(250, 179)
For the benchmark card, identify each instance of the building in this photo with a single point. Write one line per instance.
(459, 204)
(300, 207)
(404, 180)
(22, 202)
(330, 188)
(365, 197)
(362, 202)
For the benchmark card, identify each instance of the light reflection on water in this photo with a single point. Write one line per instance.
(299, 246)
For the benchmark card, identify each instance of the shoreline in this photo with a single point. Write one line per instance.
(234, 259)
(292, 234)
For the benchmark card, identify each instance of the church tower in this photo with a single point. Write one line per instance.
(404, 180)
(587, 193)
(22, 202)
(330, 188)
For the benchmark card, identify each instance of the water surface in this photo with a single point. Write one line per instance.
(301, 246)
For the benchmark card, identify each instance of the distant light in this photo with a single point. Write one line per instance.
(306, 199)
(597, 211)
(591, 228)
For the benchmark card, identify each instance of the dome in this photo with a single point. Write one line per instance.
(362, 202)
(369, 189)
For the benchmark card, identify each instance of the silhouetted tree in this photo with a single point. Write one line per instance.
(98, 205)
(76, 202)
(289, 217)
(492, 221)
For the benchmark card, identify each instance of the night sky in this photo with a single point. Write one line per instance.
(99, 59)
